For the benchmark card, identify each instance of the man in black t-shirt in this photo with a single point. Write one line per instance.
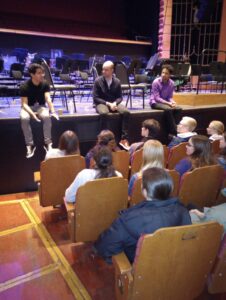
(35, 93)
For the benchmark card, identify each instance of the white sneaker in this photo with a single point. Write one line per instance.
(48, 147)
(30, 151)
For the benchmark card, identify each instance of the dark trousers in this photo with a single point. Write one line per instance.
(172, 116)
(103, 110)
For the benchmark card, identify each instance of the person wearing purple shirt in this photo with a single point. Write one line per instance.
(162, 98)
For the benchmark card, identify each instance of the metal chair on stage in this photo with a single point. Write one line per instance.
(122, 74)
(62, 88)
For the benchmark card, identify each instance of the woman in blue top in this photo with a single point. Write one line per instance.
(199, 152)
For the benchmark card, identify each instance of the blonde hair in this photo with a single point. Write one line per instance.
(153, 155)
(218, 126)
(190, 123)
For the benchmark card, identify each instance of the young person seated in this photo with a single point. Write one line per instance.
(153, 156)
(215, 130)
(162, 98)
(105, 138)
(185, 130)
(199, 152)
(68, 145)
(150, 130)
(102, 169)
(157, 211)
(35, 94)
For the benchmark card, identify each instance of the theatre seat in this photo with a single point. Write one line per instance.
(137, 195)
(201, 186)
(97, 205)
(56, 174)
(173, 263)
(121, 162)
(176, 153)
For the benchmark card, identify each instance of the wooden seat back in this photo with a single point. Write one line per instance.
(172, 263)
(137, 196)
(136, 162)
(97, 205)
(121, 162)
(201, 186)
(215, 146)
(176, 153)
(56, 176)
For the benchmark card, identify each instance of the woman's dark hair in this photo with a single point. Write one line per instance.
(169, 68)
(69, 143)
(153, 127)
(158, 183)
(103, 159)
(106, 138)
(34, 67)
(202, 155)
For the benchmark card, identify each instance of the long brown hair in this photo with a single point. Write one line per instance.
(202, 155)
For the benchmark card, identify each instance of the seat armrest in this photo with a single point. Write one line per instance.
(121, 263)
(37, 176)
(70, 207)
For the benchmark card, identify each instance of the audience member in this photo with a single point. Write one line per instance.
(199, 154)
(105, 138)
(222, 156)
(157, 211)
(185, 130)
(68, 145)
(215, 130)
(153, 156)
(102, 169)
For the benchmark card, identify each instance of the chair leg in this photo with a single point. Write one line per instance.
(65, 97)
(73, 96)
(143, 97)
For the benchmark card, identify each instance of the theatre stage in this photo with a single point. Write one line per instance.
(17, 171)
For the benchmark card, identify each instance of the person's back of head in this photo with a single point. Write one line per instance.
(202, 154)
(103, 160)
(215, 127)
(153, 154)
(153, 128)
(157, 184)
(187, 124)
(106, 138)
(69, 143)
(223, 145)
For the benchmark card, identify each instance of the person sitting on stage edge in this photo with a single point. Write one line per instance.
(162, 98)
(215, 130)
(184, 131)
(150, 130)
(105, 138)
(107, 97)
(68, 145)
(102, 169)
(157, 211)
(35, 93)
(199, 153)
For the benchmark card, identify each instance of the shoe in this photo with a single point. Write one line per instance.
(48, 147)
(124, 144)
(30, 151)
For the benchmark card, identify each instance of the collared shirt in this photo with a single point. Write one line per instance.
(103, 93)
(161, 91)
